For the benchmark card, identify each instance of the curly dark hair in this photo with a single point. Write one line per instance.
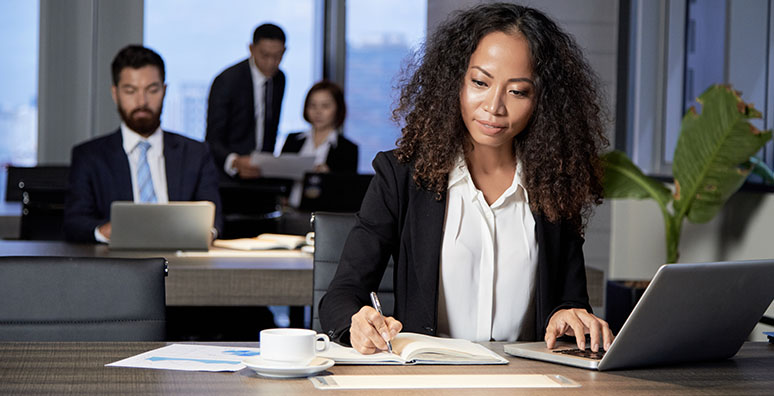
(559, 148)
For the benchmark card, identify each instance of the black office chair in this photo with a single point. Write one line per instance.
(82, 299)
(42, 213)
(42, 190)
(330, 233)
(43, 176)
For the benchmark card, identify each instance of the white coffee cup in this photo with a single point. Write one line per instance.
(291, 347)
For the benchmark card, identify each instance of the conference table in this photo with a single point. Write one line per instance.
(78, 368)
(218, 277)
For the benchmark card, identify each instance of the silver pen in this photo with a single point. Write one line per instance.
(378, 307)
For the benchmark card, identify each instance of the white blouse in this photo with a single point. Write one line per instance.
(320, 152)
(488, 262)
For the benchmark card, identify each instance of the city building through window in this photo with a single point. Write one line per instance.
(19, 79)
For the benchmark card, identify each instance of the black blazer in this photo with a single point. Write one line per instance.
(341, 158)
(231, 113)
(399, 219)
(100, 174)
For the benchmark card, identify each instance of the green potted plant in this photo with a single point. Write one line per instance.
(714, 155)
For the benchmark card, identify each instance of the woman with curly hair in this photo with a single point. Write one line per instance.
(483, 203)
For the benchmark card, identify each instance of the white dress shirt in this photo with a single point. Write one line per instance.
(320, 154)
(488, 262)
(155, 157)
(259, 109)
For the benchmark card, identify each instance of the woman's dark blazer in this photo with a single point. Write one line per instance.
(399, 219)
(342, 158)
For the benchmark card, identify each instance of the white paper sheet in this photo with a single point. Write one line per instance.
(188, 357)
(442, 381)
(286, 166)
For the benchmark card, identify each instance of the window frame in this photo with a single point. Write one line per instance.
(652, 108)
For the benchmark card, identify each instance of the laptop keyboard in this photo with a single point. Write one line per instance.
(588, 353)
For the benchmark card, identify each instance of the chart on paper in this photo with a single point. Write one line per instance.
(189, 357)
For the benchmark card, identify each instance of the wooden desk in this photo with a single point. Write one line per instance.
(217, 278)
(78, 368)
(225, 277)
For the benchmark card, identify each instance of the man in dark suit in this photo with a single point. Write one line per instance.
(243, 109)
(139, 162)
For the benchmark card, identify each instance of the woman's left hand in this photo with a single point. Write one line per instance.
(578, 322)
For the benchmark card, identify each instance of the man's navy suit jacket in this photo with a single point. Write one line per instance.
(100, 174)
(231, 113)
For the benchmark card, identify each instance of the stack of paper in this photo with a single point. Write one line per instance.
(263, 242)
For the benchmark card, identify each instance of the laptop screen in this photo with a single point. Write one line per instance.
(334, 192)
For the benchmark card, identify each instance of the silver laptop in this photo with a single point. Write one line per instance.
(689, 313)
(171, 226)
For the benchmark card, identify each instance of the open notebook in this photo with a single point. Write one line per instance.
(412, 348)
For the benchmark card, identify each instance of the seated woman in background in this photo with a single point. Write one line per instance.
(325, 109)
(482, 205)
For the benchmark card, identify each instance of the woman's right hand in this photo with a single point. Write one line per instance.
(370, 331)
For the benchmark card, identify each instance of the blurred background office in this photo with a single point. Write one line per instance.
(653, 58)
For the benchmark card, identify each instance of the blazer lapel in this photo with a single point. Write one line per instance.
(173, 163)
(427, 252)
(118, 164)
(247, 95)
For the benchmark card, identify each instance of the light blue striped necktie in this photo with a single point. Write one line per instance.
(147, 193)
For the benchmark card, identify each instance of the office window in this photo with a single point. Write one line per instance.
(705, 39)
(198, 39)
(380, 36)
(19, 82)
(677, 50)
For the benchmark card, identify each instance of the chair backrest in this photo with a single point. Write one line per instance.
(42, 213)
(330, 233)
(82, 299)
(43, 176)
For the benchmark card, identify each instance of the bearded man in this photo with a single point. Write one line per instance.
(139, 162)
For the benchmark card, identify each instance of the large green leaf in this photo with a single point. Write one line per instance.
(623, 179)
(711, 160)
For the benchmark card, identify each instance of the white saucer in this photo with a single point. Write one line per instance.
(271, 369)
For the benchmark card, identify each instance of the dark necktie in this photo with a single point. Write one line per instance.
(268, 116)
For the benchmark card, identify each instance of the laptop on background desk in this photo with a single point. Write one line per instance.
(334, 191)
(170, 226)
(689, 313)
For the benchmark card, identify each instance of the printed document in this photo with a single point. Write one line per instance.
(189, 357)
